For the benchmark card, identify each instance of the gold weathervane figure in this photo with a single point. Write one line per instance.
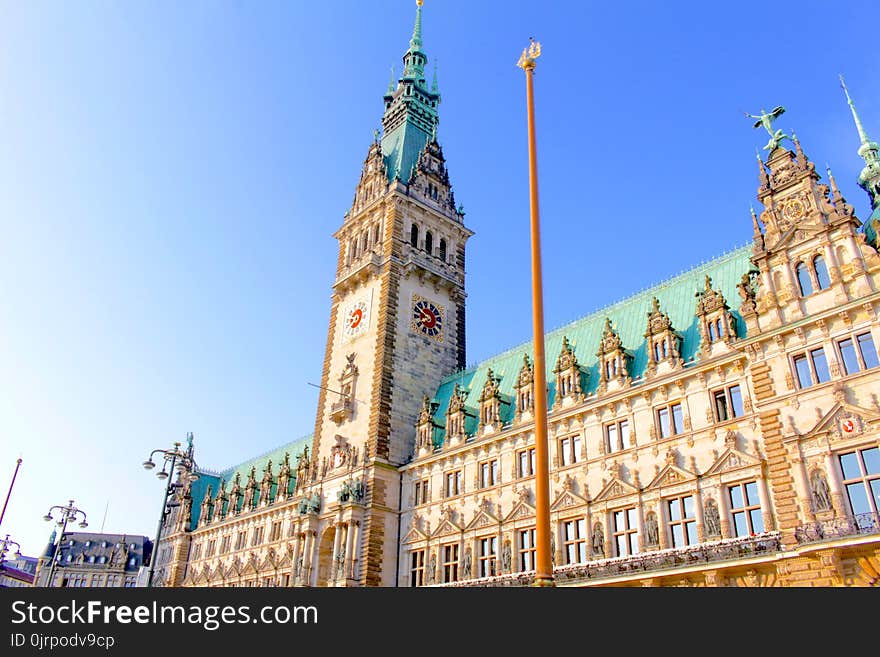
(529, 55)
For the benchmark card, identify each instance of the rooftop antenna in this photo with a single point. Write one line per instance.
(104, 519)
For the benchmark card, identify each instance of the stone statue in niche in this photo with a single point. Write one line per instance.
(652, 534)
(505, 557)
(598, 541)
(820, 492)
(712, 519)
(466, 564)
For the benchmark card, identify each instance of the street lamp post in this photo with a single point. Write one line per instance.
(543, 558)
(68, 513)
(185, 463)
(4, 548)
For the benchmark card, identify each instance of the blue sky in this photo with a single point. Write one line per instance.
(171, 174)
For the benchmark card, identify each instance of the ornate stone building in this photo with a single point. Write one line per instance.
(86, 560)
(721, 428)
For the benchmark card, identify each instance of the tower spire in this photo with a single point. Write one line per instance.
(416, 42)
(863, 136)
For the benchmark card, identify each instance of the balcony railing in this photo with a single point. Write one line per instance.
(638, 564)
(816, 532)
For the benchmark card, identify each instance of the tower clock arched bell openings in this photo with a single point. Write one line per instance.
(414, 236)
(429, 242)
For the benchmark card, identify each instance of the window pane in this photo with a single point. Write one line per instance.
(739, 522)
(624, 434)
(736, 498)
(631, 518)
(821, 272)
(875, 491)
(752, 493)
(691, 533)
(580, 528)
(621, 546)
(858, 498)
(674, 510)
(721, 406)
(869, 352)
(736, 401)
(820, 365)
(618, 521)
(757, 521)
(804, 281)
(612, 437)
(688, 507)
(871, 458)
(570, 554)
(803, 372)
(576, 447)
(663, 414)
(678, 418)
(848, 352)
(677, 536)
(850, 465)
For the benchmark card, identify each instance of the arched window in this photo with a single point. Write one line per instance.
(414, 236)
(821, 273)
(657, 352)
(804, 281)
(442, 254)
(712, 336)
(719, 328)
(429, 242)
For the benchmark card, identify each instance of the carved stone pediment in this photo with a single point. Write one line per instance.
(843, 421)
(446, 528)
(670, 475)
(567, 499)
(415, 535)
(483, 518)
(520, 510)
(732, 459)
(616, 487)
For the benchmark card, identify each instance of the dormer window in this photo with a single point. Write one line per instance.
(715, 320)
(612, 358)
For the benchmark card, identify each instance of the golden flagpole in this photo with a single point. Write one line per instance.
(543, 558)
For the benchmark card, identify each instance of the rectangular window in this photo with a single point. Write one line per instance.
(626, 538)
(275, 534)
(197, 552)
(488, 473)
(745, 509)
(617, 436)
(417, 568)
(527, 549)
(420, 492)
(488, 554)
(671, 420)
(858, 354)
(526, 462)
(449, 554)
(811, 368)
(575, 542)
(453, 483)
(224, 545)
(257, 538)
(861, 480)
(682, 522)
(239, 543)
(728, 403)
(570, 450)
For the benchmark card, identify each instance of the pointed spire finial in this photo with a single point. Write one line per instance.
(834, 190)
(416, 42)
(756, 228)
(434, 85)
(391, 81)
(863, 136)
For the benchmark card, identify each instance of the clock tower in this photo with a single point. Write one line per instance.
(397, 324)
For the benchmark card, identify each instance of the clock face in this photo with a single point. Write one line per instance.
(427, 318)
(356, 318)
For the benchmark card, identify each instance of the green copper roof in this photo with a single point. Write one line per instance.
(629, 320)
(870, 227)
(200, 486)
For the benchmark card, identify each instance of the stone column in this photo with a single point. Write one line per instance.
(349, 548)
(355, 540)
(337, 541)
(838, 499)
(766, 509)
(661, 525)
(698, 513)
(308, 546)
(802, 485)
(724, 512)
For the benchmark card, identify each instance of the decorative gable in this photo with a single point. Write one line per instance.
(484, 516)
(715, 321)
(490, 402)
(425, 426)
(456, 415)
(670, 475)
(663, 342)
(732, 459)
(520, 511)
(568, 375)
(567, 499)
(616, 487)
(525, 389)
(843, 421)
(613, 359)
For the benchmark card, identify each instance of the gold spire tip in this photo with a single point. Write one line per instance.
(529, 55)
(420, 2)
